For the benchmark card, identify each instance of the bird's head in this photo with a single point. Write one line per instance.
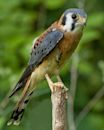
(73, 20)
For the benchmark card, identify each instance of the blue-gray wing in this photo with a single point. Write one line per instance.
(38, 54)
(45, 47)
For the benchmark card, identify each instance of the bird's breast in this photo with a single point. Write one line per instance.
(67, 45)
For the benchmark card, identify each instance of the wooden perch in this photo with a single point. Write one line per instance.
(59, 95)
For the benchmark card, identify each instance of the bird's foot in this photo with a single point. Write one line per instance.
(55, 86)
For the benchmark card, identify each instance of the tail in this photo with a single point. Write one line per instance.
(22, 81)
(20, 106)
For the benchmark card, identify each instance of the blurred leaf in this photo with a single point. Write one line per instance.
(95, 20)
(85, 68)
(54, 3)
(2, 120)
(90, 35)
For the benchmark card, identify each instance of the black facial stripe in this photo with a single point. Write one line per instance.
(73, 26)
(64, 20)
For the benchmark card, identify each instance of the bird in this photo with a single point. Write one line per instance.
(49, 53)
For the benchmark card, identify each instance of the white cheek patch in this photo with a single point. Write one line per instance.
(68, 24)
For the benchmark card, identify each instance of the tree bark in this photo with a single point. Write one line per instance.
(59, 95)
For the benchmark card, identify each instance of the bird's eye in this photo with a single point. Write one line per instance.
(74, 16)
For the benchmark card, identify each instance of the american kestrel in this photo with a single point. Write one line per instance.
(48, 55)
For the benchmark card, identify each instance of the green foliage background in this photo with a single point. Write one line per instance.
(23, 20)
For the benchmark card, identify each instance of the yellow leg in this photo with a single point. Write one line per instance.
(49, 82)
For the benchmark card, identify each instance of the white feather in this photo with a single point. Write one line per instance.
(68, 24)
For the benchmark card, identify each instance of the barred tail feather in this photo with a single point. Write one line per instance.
(20, 106)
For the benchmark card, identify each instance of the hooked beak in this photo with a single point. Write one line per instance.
(82, 21)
